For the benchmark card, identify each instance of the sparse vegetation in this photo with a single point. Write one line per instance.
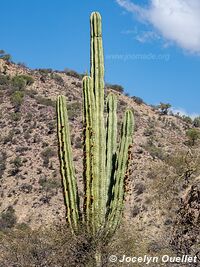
(196, 122)
(49, 184)
(17, 99)
(155, 151)
(73, 110)
(138, 100)
(73, 73)
(7, 219)
(164, 108)
(16, 163)
(59, 80)
(115, 87)
(31, 93)
(28, 79)
(187, 119)
(15, 116)
(45, 101)
(18, 83)
(193, 135)
(46, 154)
(9, 137)
(5, 56)
(3, 157)
(4, 81)
(78, 143)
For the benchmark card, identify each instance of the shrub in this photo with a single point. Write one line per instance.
(28, 79)
(149, 131)
(17, 162)
(46, 154)
(115, 87)
(22, 64)
(21, 149)
(31, 93)
(52, 246)
(137, 100)
(155, 152)
(8, 138)
(52, 127)
(139, 188)
(186, 235)
(17, 98)
(4, 56)
(3, 157)
(15, 116)
(78, 142)
(73, 110)
(26, 188)
(45, 71)
(18, 83)
(57, 78)
(164, 108)
(186, 119)
(8, 219)
(45, 101)
(48, 184)
(196, 122)
(186, 164)
(73, 73)
(4, 80)
(193, 135)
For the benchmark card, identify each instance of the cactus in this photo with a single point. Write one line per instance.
(105, 164)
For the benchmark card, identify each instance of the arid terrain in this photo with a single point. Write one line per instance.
(161, 214)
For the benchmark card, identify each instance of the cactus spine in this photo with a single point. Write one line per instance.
(104, 163)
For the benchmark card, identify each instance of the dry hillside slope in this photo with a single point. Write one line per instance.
(164, 164)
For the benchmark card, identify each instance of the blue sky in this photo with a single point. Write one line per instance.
(151, 47)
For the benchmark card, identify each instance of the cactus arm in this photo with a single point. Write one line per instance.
(67, 168)
(122, 162)
(88, 118)
(97, 75)
(111, 143)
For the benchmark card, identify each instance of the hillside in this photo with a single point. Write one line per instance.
(165, 165)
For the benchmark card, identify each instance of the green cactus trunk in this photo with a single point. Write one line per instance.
(104, 163)
(97, 75)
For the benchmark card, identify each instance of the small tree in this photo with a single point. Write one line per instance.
(196, 122)
(4, 56)
(164, 108)
(193, 135)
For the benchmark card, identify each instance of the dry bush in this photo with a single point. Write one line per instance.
(55, 246)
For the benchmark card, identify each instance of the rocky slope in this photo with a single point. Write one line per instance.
(163, 164)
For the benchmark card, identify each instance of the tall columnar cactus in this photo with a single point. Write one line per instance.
(105, 164)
